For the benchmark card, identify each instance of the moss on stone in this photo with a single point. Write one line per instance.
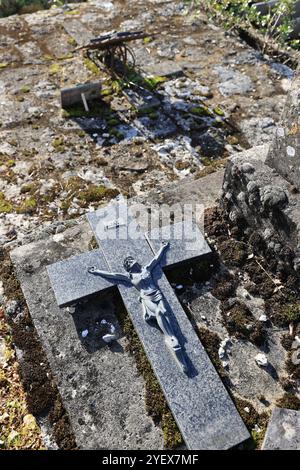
(72, 12)
(290, 401)
(200, 111)
(97, 194)
(148, 111)
(182, 165)
(72, 41)
(5, 206)
(28, 188)
(28, 206)
(10, 163)
(25, 89)
(58, 144)
(54, 69)
(232, 140)
(154, 82)
(116, 133)
(106, 91)
(47, 57)
(91, 66)
(238, 319)
(219, 111)
(211, 342)
(113, 121)
(96, 109)
(287, 314)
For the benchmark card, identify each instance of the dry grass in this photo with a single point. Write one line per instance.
(18, 428)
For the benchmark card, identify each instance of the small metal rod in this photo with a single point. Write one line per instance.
(86, 107)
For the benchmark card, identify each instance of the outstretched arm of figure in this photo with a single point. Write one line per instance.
(158, 256)
(108, 275)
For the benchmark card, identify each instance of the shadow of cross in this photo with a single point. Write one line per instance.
(201, 406)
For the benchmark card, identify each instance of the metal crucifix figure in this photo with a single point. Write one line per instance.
(151, 298)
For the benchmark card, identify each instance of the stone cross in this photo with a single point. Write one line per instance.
(201, 406)
(284, 153)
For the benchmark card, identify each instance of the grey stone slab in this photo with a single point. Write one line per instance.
(71, 281)
(187, 242)
(100, 387)
(141, 99)
(78, 31)
(283, 432)
(200, 403)
(284, 153)
(71, 96)
(204, 191)
(168, 68)
(160, 127)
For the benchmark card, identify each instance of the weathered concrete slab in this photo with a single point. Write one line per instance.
(71, 96)
(205, 191)
(161, 126)
(71, 281)
(99, 385)
(283, 431)
(78, 31)
(200, 403)
(141, 99)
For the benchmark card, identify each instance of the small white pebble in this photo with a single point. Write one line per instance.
(291, 152)
(263, 318)
(261, 360)
(280, 132)
(247, 409)
(84, 333)
(221, 352)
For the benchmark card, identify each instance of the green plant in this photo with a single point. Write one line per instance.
(278, 23)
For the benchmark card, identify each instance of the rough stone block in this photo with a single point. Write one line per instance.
(283, 431)
(72, 96)
(256, 195)
(284, 153)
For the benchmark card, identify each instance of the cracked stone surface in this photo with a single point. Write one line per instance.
(197, 61)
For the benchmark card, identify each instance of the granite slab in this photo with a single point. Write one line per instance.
(200, 404)
(187, 243)
(70, 280)
(283, 432)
